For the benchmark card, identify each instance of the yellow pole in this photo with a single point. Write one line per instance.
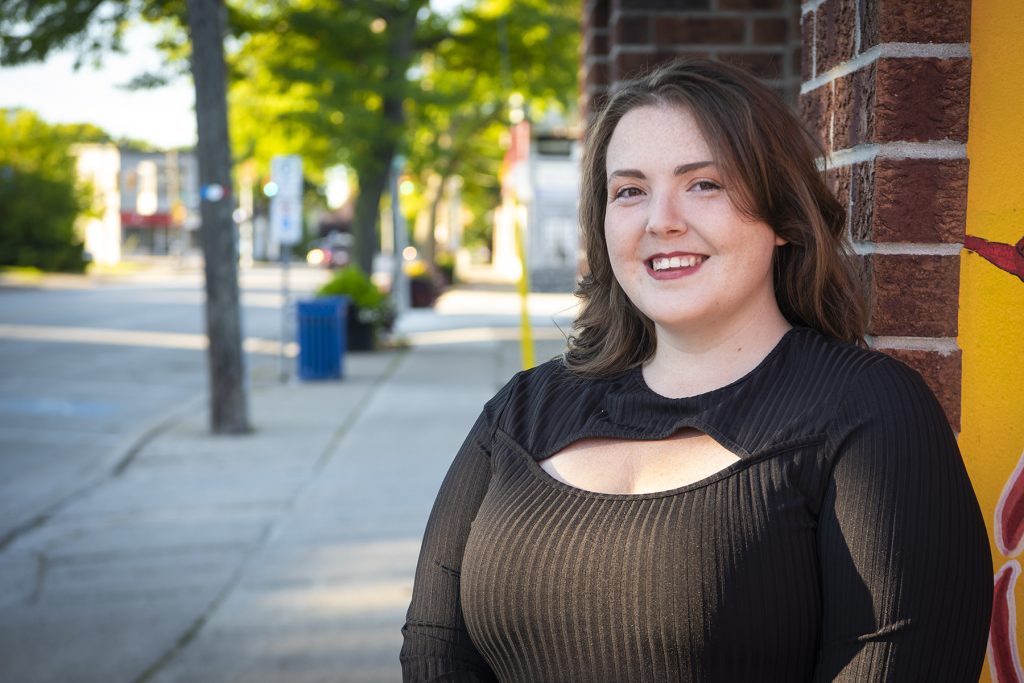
(525, 334)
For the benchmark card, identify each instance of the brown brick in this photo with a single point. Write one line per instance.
(771, 31)
(595, 14)
(942, 373)
(766, 65)
(596, 74)
(632, 29)
(814, 111)
(807, 57)
(854, 108)
(661, 5)
(796, 65)
(596, 43)
(751, 4)
(698, 30)
(919, 200)
(862, 200)
(668, 53)
(630, 65)
(920, 100)
(914, 296)
(835, 35)
(915, 21)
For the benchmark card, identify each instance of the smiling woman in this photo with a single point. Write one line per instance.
(716, 482)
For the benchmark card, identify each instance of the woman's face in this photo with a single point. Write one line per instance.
(679, 248)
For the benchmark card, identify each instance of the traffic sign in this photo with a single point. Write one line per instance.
(286, 202)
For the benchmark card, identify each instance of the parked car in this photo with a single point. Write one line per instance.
(332, 251)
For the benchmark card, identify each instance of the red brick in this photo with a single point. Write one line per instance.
(632, 29)
(914, 296)
(942, 373)
(915, 21)
(771, 31)
(919, 200)
(807, 54)
(814, 111)
(766, 65)
(920, 100)
(854, 106)
(838, 180)
(699, 30)
(862, 200)
(835, 35)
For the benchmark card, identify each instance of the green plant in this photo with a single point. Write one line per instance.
(374, 307)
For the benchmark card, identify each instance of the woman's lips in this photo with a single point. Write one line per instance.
(674, 265)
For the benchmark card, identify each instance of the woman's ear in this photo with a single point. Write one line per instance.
(780, 240)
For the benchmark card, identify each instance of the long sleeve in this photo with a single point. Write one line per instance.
(437, 646)
(905, 562)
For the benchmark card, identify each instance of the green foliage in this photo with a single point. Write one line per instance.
(39, 198)
(352, 282)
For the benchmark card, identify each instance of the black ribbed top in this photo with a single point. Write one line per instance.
(846, 543)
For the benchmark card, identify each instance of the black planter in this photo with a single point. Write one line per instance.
(359, 335)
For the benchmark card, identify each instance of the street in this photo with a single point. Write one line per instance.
(87, 367)
(138, 547)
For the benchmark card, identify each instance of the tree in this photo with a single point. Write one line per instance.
(358, 82)
(31, 29)
(39, 195)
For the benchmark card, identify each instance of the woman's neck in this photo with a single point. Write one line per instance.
(692, 362)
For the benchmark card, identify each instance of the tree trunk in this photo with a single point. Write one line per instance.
(229, 412)
(373, 176)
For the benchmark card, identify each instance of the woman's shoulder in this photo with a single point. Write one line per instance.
(549, 395)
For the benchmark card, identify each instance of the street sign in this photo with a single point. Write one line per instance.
(286, 203)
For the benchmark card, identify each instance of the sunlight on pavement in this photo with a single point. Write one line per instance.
(164, 340)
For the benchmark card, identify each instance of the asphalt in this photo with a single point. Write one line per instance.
(282, 555)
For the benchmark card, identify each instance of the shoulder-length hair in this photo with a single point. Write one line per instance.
(769, 158)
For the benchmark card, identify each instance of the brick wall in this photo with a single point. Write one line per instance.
(625, 38)
(886, 85)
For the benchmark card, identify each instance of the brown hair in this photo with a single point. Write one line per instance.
(766, 153)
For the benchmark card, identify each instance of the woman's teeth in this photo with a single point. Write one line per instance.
(676, 262)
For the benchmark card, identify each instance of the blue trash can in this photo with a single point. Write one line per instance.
(321, 332)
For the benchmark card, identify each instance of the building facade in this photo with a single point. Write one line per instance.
(917, 105)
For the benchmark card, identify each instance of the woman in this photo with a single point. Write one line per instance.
(716, 482)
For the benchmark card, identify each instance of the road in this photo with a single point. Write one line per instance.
(90, 364)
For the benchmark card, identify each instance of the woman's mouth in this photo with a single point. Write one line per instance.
(673, 266)
(663, 263)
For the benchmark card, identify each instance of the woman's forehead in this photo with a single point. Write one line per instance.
(657, 135)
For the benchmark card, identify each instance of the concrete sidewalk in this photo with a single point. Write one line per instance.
(285, 555)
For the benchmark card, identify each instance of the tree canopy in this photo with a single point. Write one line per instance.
(39, 194)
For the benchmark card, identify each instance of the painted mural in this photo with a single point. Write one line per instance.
(991, 320)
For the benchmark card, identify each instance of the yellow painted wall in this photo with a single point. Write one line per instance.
(992, 299)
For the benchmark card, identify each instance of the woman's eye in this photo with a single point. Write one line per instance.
(706, 186)
(628, 193)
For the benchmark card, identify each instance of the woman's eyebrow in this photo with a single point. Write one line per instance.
(679, 170)
(693, 166)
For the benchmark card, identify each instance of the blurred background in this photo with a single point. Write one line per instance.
(263, 261)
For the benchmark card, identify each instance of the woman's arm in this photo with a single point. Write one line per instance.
(905, 560)
(437, 645)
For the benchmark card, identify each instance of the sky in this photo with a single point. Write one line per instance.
(163, 117)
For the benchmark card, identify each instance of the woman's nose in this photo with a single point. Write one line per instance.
(666, 215)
